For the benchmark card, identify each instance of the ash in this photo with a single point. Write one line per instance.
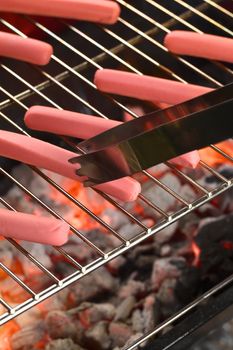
(112, 307)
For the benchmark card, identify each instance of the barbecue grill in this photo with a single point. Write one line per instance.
(134, 44)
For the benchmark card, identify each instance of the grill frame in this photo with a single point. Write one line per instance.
(197, 325)
(38, 89)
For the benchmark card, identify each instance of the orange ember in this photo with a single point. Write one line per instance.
(6, 332)
(14, 294)
(213, 158)
(196, 252)
(10, 290)
(41, 343)
(75, 215)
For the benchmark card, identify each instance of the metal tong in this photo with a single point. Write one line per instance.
(152, 139)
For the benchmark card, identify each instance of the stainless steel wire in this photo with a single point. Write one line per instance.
(98, 62)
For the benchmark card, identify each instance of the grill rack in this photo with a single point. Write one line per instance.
(57, 80)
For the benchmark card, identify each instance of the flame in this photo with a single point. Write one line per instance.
(196, 252)
(214, 158)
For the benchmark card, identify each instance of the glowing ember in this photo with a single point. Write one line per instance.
(227, 245)
(42, 343)
(10, 290)
(79, 218)
(196, 252)
(6, 332)
(214, 158)
(75, 215)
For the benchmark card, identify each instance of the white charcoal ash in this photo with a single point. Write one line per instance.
(93, 312)
(148, 313)
(76, 248)
(124, 310)
(131, 230)
(166, 234)
(116, 304)
(134, 338)
(137, 321)
(97, 337)
(59, 324)
(39, 251)
(28, 336)
(132, 288)
(166, 250)
(120, 333)
(117, 264)
(166, 294)
(101, 282)
(167, 298)
(159, 196)
(114, 218)
(63, 344)
(166, 268)
(80, 251)
(188, 193)
(101, 240)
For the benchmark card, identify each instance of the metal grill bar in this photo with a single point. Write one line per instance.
(183, 312)
(220, 8)
(202, 15)
(18, 280)
(97, 62)
(166, 30)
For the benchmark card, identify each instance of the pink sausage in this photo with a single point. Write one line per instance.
(33, 228)
(83, 126)
(25, 49)
(145, 87)
(101, 11)
(208, 46)
(68, 123)
(187, 160)
(44, 155)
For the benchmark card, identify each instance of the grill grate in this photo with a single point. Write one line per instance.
(60, 84)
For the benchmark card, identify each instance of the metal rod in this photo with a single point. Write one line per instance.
(78, 203)
(182, 312)
(96, 63)
(202, 15)
(187, 178)
(18, 280)
(219, 7)
(51, 211)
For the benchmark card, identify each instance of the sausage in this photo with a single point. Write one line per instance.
(33, 228)
(100, 11)
(145, 87)
(84, 126)
(25, 49)
(45, 155)
(208, 46)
